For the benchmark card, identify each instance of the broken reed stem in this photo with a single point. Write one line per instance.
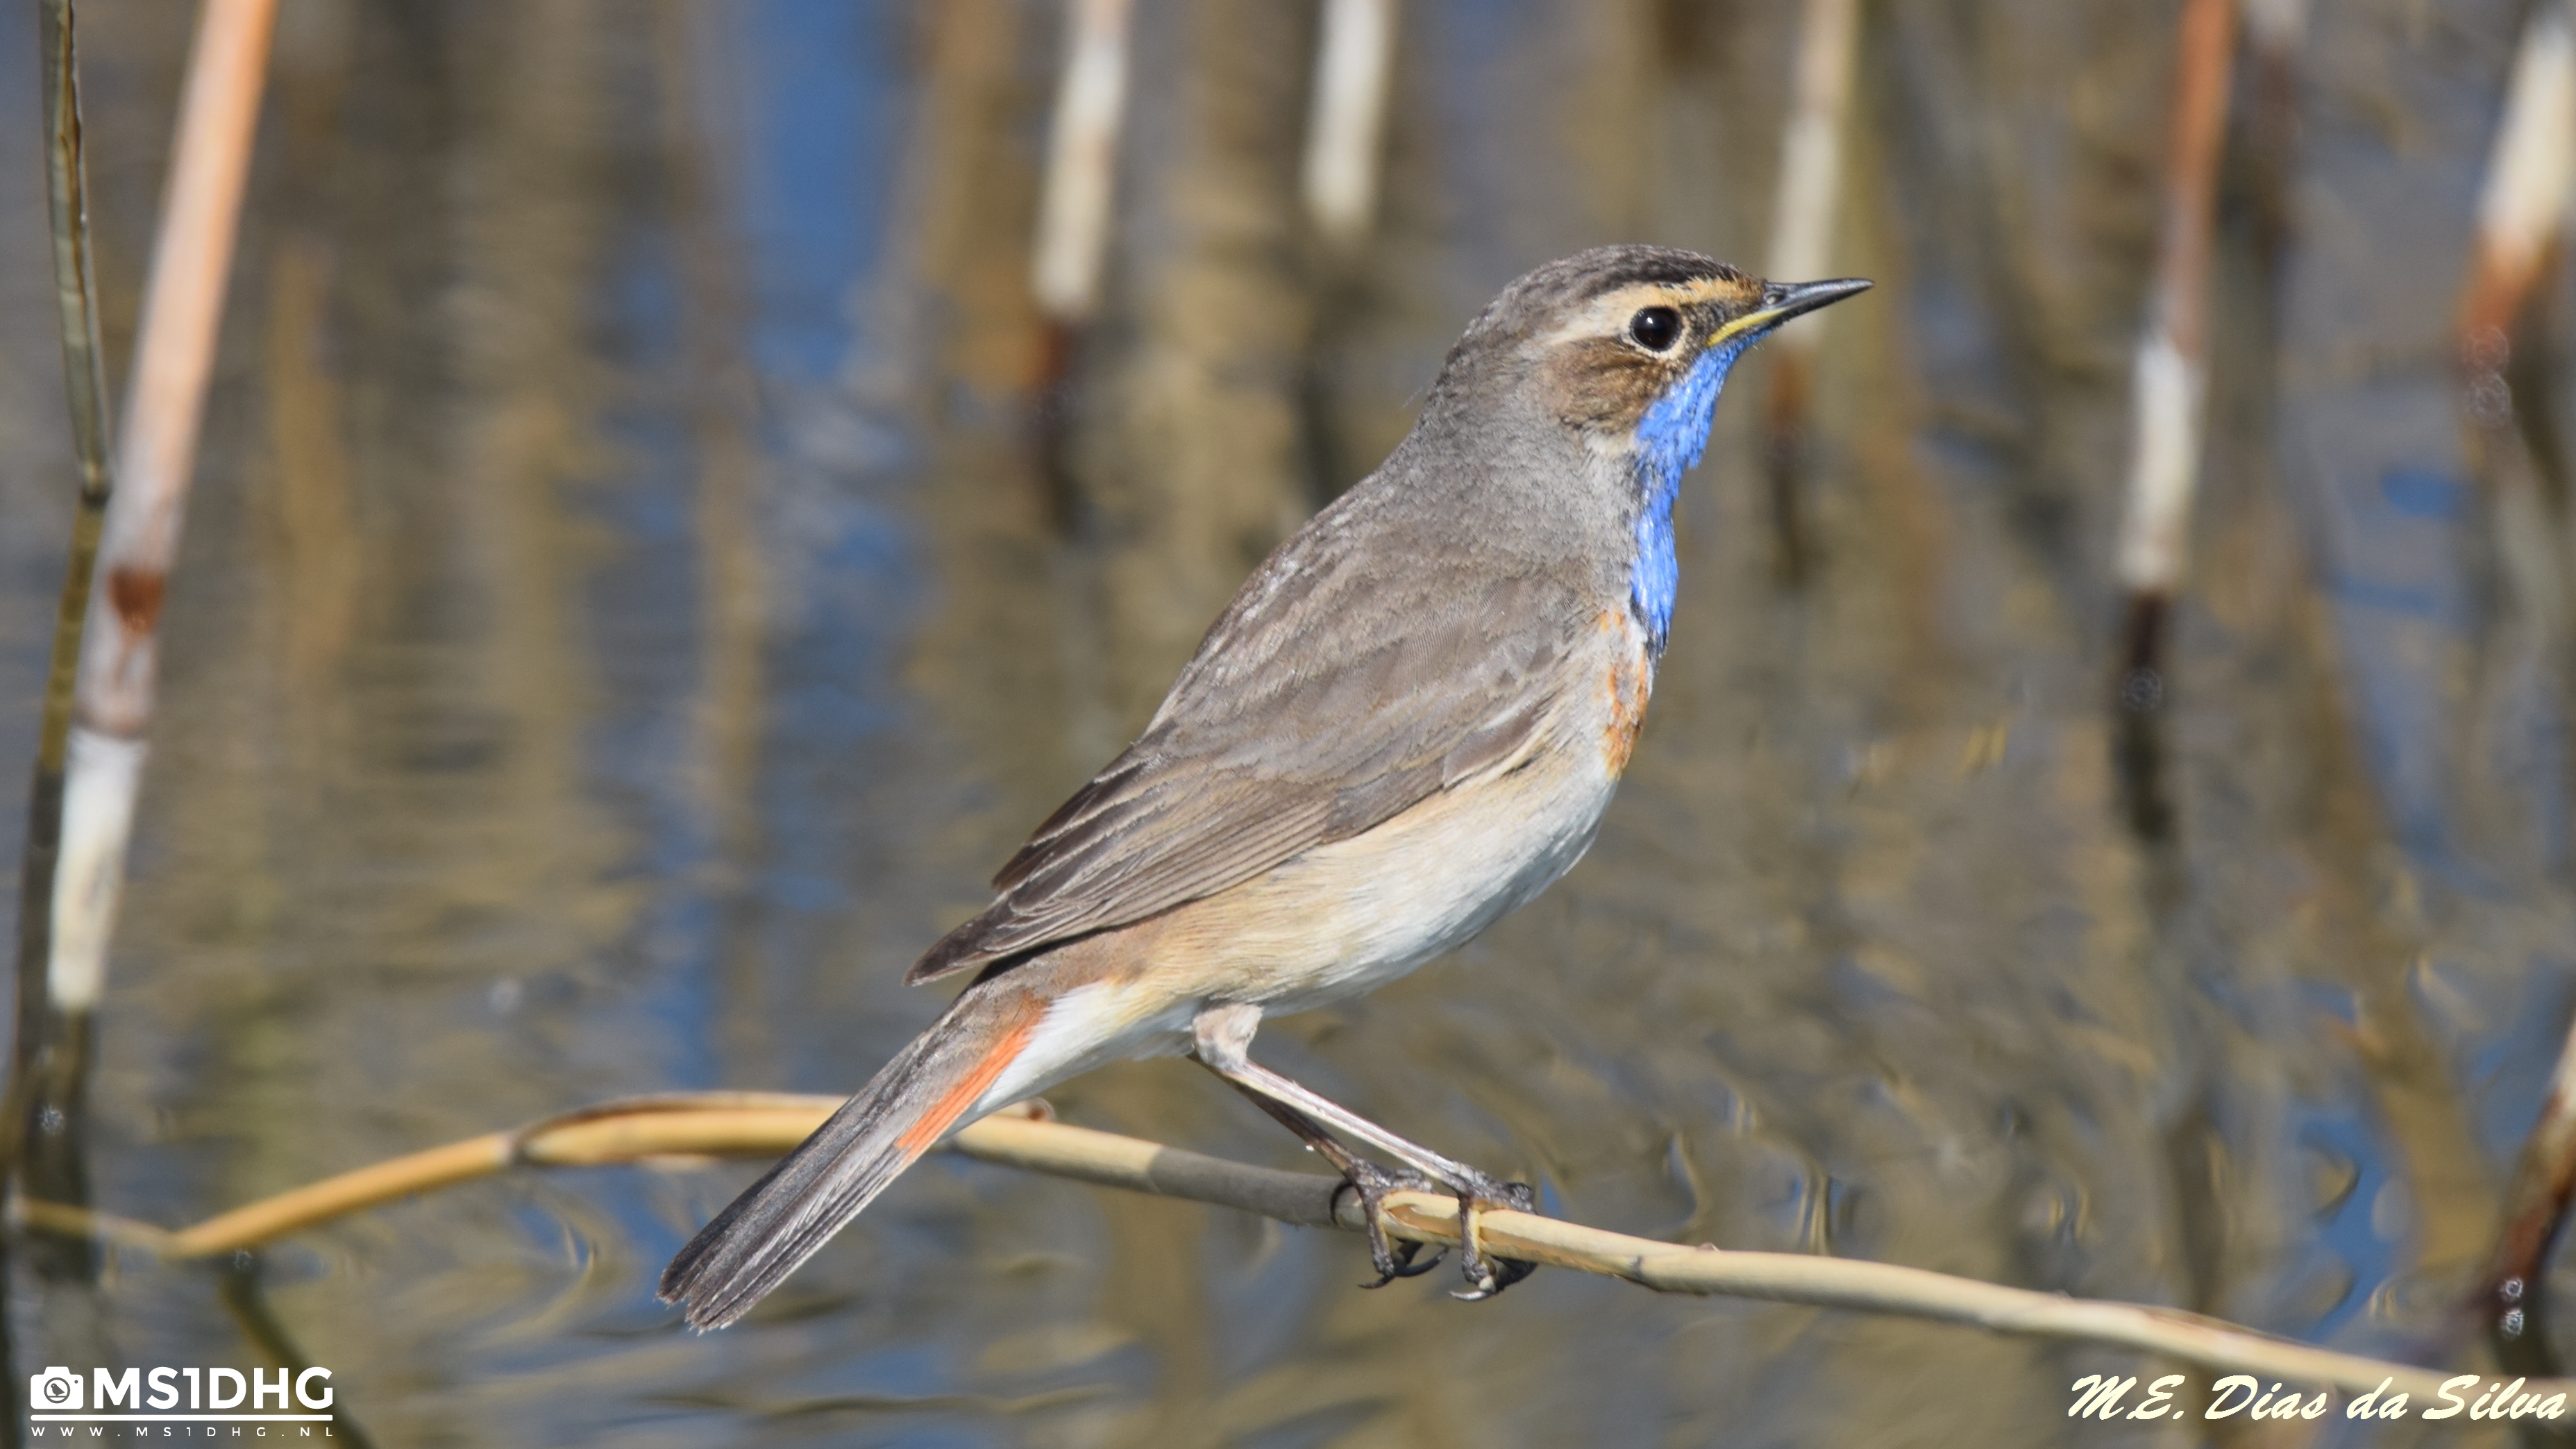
(2522, 208)
(85, 387)
(2531, 173)
(1082, 162)
(1354, 61)
(1802, 228)
(759, 1123)
(76, 294)
(2521, 221)
(2168, 402)
(1075, 210)
(155, 457)
(2170, 382)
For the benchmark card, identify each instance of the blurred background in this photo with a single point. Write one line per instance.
(652, 558)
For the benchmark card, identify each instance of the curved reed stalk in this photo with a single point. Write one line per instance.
(754, 1123)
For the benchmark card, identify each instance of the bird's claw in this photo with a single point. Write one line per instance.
(1488, 1276)
(1392, 1260)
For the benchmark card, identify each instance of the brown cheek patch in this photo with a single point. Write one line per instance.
(1601, 382)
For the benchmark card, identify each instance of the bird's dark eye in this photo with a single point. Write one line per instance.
(1656, 329)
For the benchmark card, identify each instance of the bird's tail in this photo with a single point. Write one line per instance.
(785, 1217)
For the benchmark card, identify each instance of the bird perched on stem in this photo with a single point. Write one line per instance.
(1406, 724)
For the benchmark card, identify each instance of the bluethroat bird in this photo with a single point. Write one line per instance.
(1406, 724)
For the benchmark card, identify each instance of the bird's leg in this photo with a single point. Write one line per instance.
(1222, 1037)
(1392, 1259)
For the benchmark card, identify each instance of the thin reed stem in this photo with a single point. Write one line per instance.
(1802, 230)
(48, 1059)
(85, 386)
(2522, 211)
(750, 1123)
(2169, 397)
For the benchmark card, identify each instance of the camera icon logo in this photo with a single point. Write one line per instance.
(55, 1388)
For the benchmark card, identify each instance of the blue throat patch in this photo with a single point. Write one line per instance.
(1670, 438)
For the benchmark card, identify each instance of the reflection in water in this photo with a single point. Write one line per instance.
(625, 619)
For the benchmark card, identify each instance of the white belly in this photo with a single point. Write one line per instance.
(1333, 923)
(1346, 917)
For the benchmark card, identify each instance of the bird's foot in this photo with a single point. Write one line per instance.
(1487, 1276)
(1392, 1260)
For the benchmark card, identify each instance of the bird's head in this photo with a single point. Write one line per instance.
(1626, 349)
(1631, 344)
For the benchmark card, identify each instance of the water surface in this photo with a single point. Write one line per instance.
(626, 614)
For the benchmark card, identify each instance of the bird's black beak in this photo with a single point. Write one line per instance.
(1784, 300)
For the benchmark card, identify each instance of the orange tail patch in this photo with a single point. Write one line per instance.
(952, 1104)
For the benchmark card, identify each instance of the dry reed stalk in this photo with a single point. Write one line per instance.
(2522, 210)
(2531, 173)
(764, 1123)
(1345, 135)
(85, 383)
(1802, 226)
(41, 1148)
(2169, 394)
(1074, 207)
(2522, 217)
(84, 364)
(90, 756)
(155, 456)
(2170, 380)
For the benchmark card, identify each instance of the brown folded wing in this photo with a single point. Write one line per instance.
(1323, 702)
